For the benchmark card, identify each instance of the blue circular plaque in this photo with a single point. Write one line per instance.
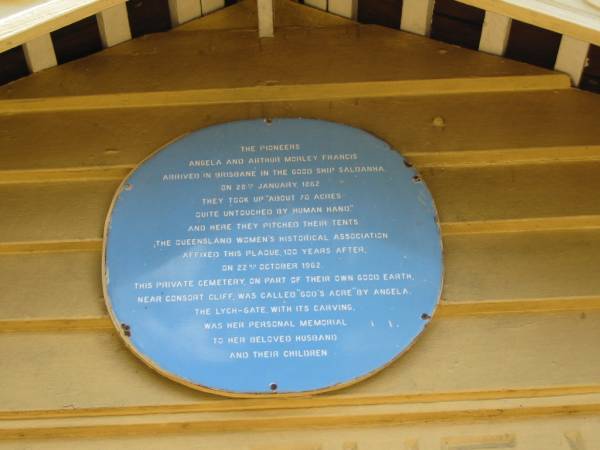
(272, 257)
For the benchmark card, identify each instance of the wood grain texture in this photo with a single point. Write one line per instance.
(330, 56)
(576, 18)
(539, 271)
(39, 53)
(512, 129)
(553, 432)
(511, 155)
(465, 197)
(478, 354)
(244, 15)
(28, 22)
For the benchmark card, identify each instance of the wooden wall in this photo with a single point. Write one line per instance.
(453, 22)
(509, 151)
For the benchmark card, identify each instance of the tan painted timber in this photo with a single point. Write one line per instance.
(506, 157)
(39, 53)
(496, 353)
(575, 18)
(113, 25)
(485, 274)
(572, 58)
(265, 18)
(460, 413)
(134, 73)
(344, 8)
(513, 128)
(288, 93)
(495, 33)
(32, 19)
(182, 11)
(466, 198)
(244, 15)
(417, 16)
(210, 6)
(319, 4)
(550, 432)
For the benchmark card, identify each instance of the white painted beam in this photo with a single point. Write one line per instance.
(33, 18)
(344, 8)
(572, 57)
(495, 33)
(417, 16)
(209, 6)
(113, 25)
(182, 11)
(265, 18)
(320, 4)
(39, 53)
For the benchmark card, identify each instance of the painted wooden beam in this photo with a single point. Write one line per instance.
(182, 11)
(572, 57)
(209, 6)
(39, 53)
(417, 16)
(113, 25)
(576, 18)
(495, 33)
(344, 8)
(34, 18)
(265, 18)
(319, 4)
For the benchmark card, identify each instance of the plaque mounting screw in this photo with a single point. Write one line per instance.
(126, 329)
(268, 121)
(128, 187)
(273, 386)
(425, 316)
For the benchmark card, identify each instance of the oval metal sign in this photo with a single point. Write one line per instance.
(272, 257)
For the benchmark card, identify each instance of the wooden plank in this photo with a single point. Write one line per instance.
(265, 18)
(33, 19)
(344, 8)
(319, 4)
(470, 200)
(495, 32)
(209, 6)
(332, 60)
(522, 433)
(548, 271)
(286, 14)
(416, 16)
(509, 353)
(572, 58)
(39, 53)
(513, 129)
(113, 25)
(289, 93)
(576, 18)
(182, 11)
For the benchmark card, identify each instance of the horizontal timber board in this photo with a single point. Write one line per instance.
(239, 59)
(290, 92)
(243, 15)
(466, 198)
(548, 433)
(511, 128)
(519, 272)
(496, 353)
